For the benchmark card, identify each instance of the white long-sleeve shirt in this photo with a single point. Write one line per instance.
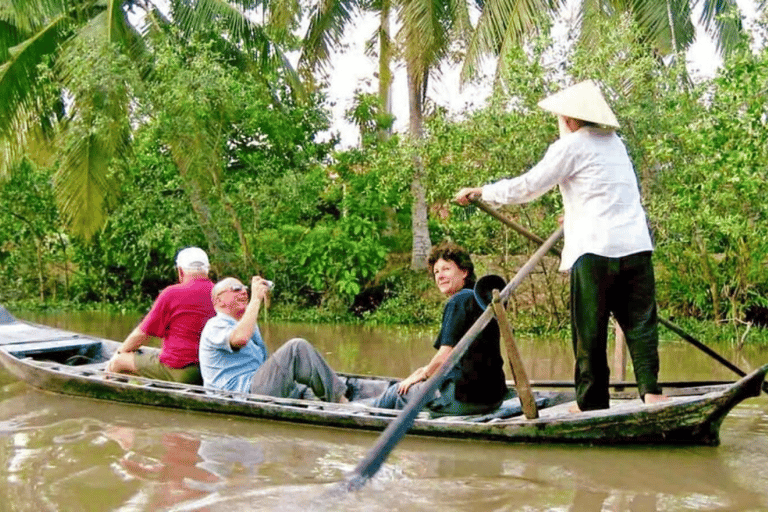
(603, 213)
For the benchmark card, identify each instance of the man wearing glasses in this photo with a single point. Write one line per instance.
(177, 317)
(233, 356)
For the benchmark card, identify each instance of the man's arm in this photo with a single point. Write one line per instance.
(247, 324)
(134, 340)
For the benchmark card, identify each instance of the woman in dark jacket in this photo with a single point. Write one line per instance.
(476, 384)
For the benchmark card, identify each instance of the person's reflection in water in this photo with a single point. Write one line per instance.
(178, 471)
(190, 467)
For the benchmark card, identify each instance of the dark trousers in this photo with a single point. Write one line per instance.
(625, 287)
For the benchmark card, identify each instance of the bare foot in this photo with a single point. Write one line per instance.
(650, 398)
(343, 400)
(574, 408)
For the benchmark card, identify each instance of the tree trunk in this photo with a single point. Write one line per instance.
(422, 245)
(385, 74)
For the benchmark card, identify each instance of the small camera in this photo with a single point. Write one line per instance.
(269, 284)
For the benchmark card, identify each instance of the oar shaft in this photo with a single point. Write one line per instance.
(696, 343)
(511, 223)
(687, 337)
(400, 425)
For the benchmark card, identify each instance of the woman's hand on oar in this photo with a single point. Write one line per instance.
(468, 195)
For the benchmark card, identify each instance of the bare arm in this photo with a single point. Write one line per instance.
(247, 324)
(427, 371)
(134, 340)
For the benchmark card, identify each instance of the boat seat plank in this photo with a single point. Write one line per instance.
(24, 333)
(41, 347)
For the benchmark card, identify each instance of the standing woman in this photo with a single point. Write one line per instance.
(476, 384)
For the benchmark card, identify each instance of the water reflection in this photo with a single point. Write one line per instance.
(63, 453)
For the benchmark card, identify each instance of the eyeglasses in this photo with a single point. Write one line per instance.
(234, 288)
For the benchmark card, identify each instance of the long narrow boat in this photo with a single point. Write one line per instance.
(65, 362)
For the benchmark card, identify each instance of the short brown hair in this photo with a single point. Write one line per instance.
(450, 251)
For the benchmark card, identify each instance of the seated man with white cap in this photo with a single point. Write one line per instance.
(177, 317)
(607, 246)
(233, 356)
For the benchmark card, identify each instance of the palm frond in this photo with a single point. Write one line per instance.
(24, 109)
(503, 23)
(19, 74)
(423, 36)
(282, 17)
(203, 16)
(9, 36)
(231, 24)
(82, 183)
(666, 24)
(721, 21)
(326, 27)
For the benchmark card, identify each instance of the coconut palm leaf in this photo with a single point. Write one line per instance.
(231, 23)
(503, 24)
(326, 28)
(725, 30)
(19, 86)
(424, 36)
(83, 184)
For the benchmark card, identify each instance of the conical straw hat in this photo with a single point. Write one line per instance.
(581, 101)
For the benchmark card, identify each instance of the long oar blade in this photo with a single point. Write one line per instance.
(400, 425)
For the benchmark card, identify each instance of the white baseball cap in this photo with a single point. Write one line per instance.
(581, 101)
(192, 258)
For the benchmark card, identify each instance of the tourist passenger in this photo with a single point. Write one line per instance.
(233, 355)
(177, 317)
(607, 242)
(476, 384)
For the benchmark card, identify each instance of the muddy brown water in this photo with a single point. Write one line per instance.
(63, 453)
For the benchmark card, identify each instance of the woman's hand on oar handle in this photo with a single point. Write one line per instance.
(467, 195)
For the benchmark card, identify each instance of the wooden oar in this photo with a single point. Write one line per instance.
(687, 337)
(400, 425)
(511, 223)
(696, 343)
(522, 384)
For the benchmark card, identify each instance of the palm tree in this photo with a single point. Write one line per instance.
(666, 25)
(70, 71)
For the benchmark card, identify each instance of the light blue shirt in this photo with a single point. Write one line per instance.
(224, 367)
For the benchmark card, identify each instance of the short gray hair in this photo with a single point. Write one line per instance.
(223, 285)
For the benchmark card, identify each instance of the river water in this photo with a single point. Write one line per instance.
(63, 453)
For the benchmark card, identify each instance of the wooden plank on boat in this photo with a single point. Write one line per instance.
(26, 333)
(41, 347)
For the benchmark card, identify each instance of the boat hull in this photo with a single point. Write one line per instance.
(73, 364)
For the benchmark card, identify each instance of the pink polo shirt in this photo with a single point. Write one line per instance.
(178, 317)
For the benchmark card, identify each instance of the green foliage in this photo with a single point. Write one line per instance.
(716, 232)
(232, 163)
(34, 257)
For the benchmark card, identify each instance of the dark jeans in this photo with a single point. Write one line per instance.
(625, 287)
(443, 402)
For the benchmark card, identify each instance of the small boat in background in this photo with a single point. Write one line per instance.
(60, 361)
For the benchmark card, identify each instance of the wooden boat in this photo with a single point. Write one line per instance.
(64, 362)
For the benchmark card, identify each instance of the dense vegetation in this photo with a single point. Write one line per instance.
(333, 228)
